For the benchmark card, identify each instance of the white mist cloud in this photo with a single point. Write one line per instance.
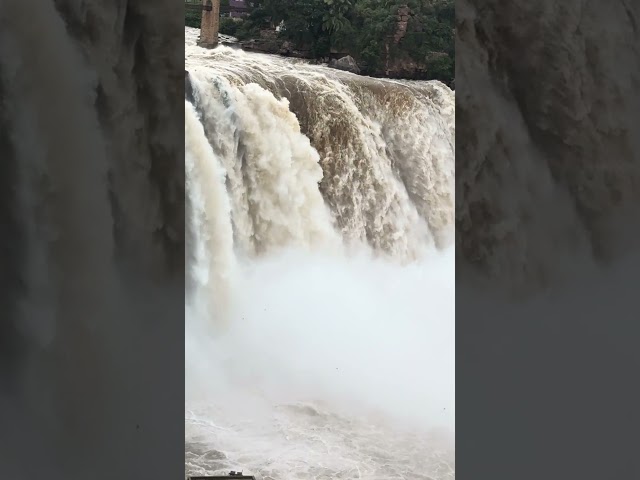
(357, 335)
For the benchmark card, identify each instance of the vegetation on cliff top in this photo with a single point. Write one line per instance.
(364, 29)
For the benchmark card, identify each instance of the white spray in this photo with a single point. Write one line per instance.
(315, 220)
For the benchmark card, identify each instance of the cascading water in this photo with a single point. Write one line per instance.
(320, 316)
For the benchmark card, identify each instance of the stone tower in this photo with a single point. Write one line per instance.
(210, 24)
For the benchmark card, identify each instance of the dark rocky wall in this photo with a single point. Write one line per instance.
(546, 107)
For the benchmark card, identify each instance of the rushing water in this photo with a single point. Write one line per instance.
(320, 318)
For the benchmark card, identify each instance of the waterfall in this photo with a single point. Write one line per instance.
(320, 271)
(382, 152)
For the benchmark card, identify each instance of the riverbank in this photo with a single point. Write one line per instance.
(395, 40)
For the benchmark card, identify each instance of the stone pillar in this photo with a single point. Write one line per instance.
(210, 24)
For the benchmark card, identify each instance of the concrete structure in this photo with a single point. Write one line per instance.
(210, 24)
(238, 8)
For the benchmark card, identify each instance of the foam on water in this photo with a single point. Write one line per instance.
(320, 332)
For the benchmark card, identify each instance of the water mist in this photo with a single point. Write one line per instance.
(320, 323)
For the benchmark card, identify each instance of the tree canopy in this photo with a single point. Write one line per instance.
(361, 28)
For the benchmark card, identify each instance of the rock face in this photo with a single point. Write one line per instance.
(547, 91)
(401, 65)
(347, 64)
(286, 48)
(405, 67)
(404, 13)
(268, 42)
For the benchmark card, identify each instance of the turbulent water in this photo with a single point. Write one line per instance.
(320, 322)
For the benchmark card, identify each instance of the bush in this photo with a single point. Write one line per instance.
(441, 67)
(361, 28)
(192, 19)
(246, 30)
(228, 26)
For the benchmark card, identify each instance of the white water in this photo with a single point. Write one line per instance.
(320, 327)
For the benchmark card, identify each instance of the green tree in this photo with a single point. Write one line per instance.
(192, 18)
(334, 19)
(363, 29)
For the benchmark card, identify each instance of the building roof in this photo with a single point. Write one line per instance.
(238, 4)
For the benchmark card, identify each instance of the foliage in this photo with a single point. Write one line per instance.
(307, 22)
(192, 18)
(246, 30)
(430, 38)
(361, 28)
(228, 26)
(372, 22)
(334, 18)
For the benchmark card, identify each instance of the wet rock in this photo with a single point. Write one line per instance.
(286, 48)
(347, 64)
(188, 88)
